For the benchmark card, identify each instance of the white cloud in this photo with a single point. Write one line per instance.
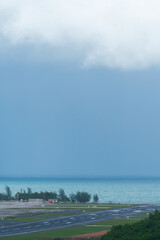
(113, 33)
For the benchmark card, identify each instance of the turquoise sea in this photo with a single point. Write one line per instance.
(115, 190)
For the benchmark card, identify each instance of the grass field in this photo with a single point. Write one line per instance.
(29, 216)
(66, 232)
(68, 208)
(79, 205)
(121, 221)
(41, 216)
(38, 217)
(100, 205)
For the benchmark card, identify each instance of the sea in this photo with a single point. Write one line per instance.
(109, 190)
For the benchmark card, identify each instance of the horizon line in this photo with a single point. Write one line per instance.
(75, 177)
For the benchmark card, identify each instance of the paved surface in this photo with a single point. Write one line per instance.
(14, 228)
(18, 204)
(9, 213)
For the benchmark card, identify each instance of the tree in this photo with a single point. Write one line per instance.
(8, 192)
(3, 196)
(29, 190)
(145, 229)
(95, 198)
(83, 197)
(62, 196)
(72, 197)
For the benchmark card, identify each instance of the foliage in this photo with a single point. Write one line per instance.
(72, 197)
(3, 197)
(59, 233)
(62, 196)
(7, 195)
(42, 195)
(80, 197)
(8, 192)
(147, 229)
(83, 197)
(29, 190)
(95, 198)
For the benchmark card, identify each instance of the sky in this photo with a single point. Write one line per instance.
(79, 88)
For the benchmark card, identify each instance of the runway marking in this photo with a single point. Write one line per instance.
(66, 222)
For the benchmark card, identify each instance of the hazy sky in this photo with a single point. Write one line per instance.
(79, 88)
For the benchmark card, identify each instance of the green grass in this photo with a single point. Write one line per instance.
(64, 205)
(31, 217)
(100, 226)
(39, 217)
(119, 221)
(143, 215)
(66, 232)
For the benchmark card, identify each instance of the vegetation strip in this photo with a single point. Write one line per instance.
(72, 231)
(147, 229)
(24, 195)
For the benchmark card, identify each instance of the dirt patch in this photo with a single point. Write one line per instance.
(95, 235)
(90, 235)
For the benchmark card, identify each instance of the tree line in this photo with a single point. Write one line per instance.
(147, 229)
(78, 197)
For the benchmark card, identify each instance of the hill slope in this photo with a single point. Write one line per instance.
(147, 229)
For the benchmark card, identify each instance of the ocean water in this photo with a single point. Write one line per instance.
(115, 190)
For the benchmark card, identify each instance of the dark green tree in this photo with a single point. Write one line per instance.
(72, 197)
(62, 196)
(3, 196)
(8, 192)
(95, 198)
(29, 190)
(83, 197)
(147, 229)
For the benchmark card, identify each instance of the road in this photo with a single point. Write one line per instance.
(8, 228)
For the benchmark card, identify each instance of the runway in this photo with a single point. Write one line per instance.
(8, 228)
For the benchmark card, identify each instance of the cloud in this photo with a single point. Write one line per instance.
(111, 33)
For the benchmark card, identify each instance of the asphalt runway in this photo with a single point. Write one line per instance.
(17, 228)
